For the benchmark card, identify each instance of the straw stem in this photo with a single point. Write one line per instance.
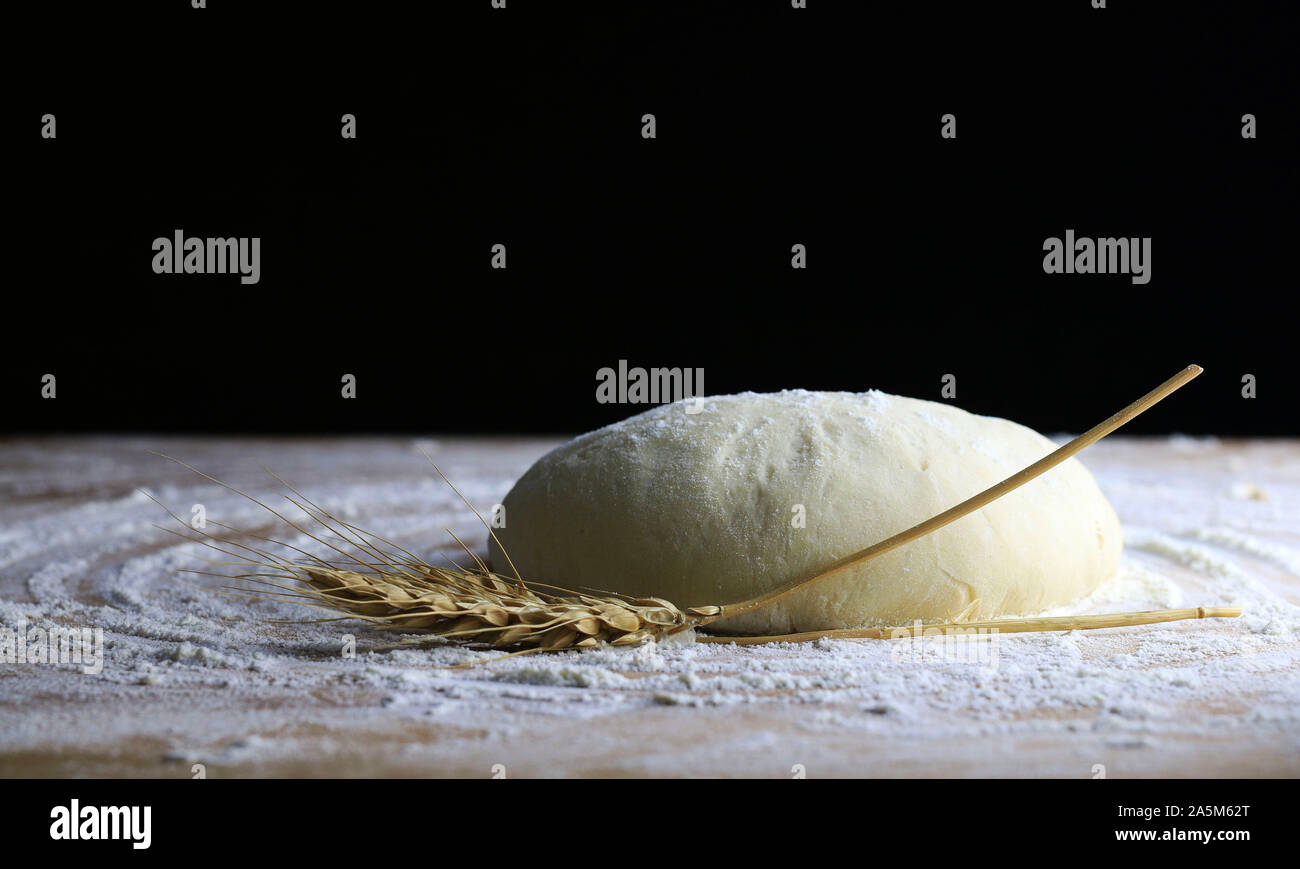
(996, 626)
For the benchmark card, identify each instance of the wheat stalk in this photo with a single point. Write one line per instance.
(379, 582)
(996, 626)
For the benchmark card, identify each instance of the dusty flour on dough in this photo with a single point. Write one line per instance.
(196, 676)
(719, 502)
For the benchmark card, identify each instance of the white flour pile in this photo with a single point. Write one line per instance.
(195, 676)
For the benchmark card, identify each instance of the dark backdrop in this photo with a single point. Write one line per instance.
(775, 127)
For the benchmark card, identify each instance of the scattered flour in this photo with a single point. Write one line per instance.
(208, 677)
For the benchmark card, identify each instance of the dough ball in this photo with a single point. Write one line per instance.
(718, 506)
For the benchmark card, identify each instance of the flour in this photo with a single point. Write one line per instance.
(204, 677)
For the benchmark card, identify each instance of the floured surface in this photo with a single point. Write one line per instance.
(192, 676)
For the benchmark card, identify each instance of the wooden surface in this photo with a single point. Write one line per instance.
(190, 681)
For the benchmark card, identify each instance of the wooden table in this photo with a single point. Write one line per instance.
(192, 676)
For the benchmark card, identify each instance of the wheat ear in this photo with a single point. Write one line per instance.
(394, 589)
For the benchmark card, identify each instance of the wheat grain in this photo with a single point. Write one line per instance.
(492, 609)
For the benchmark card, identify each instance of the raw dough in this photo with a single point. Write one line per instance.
(703, 508)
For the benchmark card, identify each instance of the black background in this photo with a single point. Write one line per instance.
(775, 126)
